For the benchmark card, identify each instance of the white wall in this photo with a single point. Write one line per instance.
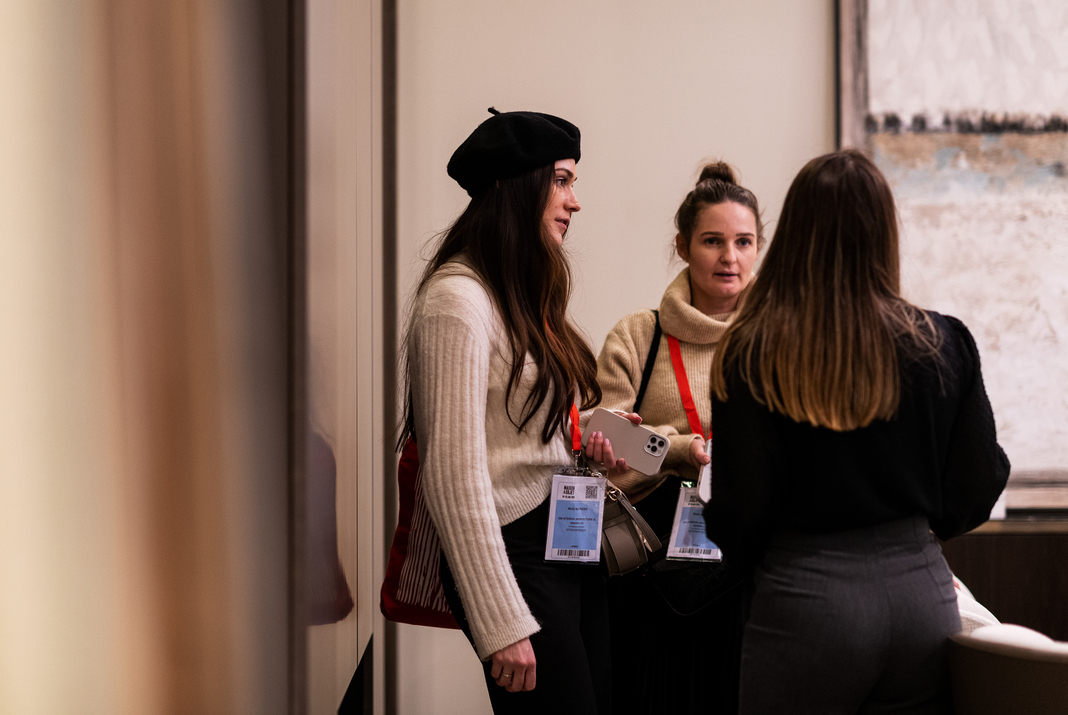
(656, 89)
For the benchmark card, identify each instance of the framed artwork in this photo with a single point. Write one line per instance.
(964, 107)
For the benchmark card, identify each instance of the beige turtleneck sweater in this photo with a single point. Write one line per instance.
(478, 471)
(619, 371)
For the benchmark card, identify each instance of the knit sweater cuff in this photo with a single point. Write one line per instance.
(508, 634)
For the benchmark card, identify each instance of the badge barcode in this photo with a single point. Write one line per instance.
(692, 550)
(591, 491)
(572, 552)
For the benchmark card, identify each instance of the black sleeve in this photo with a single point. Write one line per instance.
(747, 475)
(976, 467)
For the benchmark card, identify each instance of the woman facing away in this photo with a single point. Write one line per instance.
(849, 425)
(663, 660)
(495, 372)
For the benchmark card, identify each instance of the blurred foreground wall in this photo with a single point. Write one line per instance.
(143, 457)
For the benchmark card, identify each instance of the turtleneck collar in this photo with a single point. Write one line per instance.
(685, 322)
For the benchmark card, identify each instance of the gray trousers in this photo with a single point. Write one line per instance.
(851, 622)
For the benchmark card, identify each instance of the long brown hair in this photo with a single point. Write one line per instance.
(821, 332)
(502, 235)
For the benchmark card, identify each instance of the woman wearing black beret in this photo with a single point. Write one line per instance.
(495, 372)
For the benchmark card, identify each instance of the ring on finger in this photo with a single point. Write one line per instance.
(506, 675)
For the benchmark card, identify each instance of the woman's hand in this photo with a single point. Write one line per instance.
(514, 667)
(599, 449)
(698, 457)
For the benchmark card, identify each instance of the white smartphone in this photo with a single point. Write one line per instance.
(643, 448)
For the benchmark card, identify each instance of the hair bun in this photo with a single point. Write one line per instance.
(719, 170)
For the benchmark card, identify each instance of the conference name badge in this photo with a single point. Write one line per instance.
(689, 542)
(576, 511)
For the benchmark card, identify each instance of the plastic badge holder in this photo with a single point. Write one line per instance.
(576, 515)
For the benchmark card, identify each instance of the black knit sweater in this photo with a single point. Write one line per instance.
(937, 457)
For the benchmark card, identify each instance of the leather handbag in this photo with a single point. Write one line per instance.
(626, 538)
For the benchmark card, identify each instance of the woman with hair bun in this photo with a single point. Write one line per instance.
(670, 656)
(849, 424)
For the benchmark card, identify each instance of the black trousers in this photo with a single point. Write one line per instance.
(851, 622)
(572, 647)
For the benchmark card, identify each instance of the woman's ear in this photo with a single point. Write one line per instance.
(682, 247)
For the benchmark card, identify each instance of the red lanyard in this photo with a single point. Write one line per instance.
(684, 388)
(576, 435)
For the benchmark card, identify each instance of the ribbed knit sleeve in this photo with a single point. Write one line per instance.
(450, 344)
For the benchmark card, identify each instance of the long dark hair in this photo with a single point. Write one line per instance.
(502, 235)
(824, 322)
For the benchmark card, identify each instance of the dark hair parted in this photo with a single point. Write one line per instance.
(502, 234)
(716, 185)
(820, 334)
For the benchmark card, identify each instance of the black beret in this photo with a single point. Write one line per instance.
(510, 144)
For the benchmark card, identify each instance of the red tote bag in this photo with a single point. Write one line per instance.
(412, 590)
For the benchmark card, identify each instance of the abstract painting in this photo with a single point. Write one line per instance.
(963, 105)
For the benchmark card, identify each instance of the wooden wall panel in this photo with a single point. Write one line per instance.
(1019, 577)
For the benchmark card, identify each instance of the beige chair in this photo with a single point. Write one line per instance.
(1008, 669)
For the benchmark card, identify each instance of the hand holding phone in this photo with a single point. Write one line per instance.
(643, 448)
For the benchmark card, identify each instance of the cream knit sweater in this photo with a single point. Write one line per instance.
(619, 371)
(478, 471)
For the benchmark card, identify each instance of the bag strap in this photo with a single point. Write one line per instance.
(650, 360)
(652, 542)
